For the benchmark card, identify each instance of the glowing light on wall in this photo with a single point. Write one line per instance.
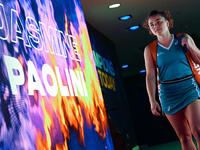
(142, 71)
(114, 5)
(125, 17)
(134, 28)
(125, 66)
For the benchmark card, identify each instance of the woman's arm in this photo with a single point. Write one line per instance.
(151, 81)
(195, 52)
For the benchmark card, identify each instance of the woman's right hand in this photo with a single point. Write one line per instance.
(155, 108)
(151, 81)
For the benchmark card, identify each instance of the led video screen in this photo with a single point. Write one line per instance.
(50, 93)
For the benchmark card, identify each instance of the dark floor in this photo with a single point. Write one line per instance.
(168, 146)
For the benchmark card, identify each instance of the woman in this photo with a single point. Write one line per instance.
(180, 98)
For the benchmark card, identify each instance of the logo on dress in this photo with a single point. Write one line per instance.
(169, 108)
(176, 43)
(160, 53)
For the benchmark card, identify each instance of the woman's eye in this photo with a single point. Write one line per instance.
(158, 22)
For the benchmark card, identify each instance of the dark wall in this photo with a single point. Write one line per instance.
(149, 129)
(116, 102)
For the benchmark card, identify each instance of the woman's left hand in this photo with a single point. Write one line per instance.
(195, 52)
(187, 40)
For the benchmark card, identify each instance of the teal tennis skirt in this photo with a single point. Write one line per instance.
(176, 96)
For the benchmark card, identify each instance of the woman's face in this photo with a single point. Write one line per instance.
(158, 25)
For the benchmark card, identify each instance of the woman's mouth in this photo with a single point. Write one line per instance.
(157, 30)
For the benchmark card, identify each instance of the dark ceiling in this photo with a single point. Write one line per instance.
(130, 44)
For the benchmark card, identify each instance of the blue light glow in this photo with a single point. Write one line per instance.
(134, 27)
(125, 66)
(142, 71)
(125, 17)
